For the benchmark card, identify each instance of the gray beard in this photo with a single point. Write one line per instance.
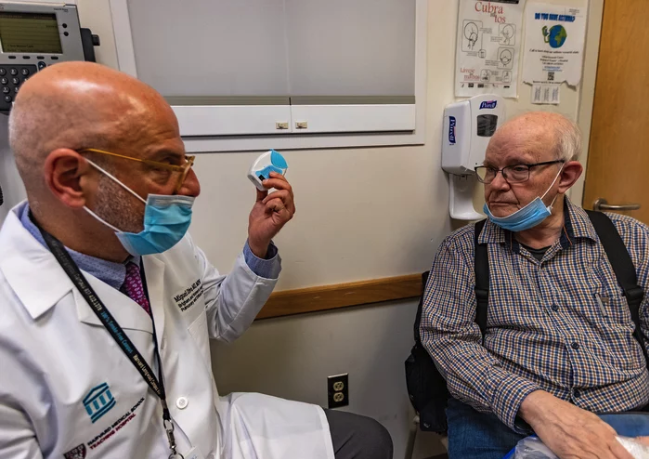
(119, 207)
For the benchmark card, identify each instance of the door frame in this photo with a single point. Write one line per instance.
(587, 90)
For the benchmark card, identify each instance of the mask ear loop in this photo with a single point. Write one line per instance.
(117, 230)
(551, 185)
(108, 174)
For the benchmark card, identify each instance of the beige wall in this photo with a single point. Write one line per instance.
(362, 214)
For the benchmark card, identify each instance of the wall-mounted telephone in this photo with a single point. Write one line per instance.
(34, 36)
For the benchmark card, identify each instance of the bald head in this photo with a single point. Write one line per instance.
(550, 133)
(79, 196)
(80, 105)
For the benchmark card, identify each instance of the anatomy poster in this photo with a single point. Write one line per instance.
(488, 47)
(554, 44)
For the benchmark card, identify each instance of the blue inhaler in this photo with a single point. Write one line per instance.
(271, 161)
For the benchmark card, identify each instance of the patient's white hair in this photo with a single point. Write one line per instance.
(569, 139)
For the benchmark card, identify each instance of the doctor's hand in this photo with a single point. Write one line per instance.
(270, 213)
(569, 431)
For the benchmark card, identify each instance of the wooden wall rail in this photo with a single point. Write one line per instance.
(337, 296)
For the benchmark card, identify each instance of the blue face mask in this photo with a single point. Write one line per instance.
(527, 217)
(166, 220)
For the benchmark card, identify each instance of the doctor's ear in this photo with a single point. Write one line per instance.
(70, 177)
(571, 172)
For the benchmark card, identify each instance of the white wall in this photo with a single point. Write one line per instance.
(12, 187)
(362, 214)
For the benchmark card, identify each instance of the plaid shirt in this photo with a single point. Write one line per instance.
(561, 324)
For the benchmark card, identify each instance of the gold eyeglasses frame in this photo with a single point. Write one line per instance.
(184, 169)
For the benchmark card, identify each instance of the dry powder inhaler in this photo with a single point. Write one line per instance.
(271, 161)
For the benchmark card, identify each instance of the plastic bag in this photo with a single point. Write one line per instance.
(638, 450)
(533, 448)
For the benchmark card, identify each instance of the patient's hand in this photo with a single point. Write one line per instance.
(569, 431)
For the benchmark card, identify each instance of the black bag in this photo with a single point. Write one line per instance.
(426, 386)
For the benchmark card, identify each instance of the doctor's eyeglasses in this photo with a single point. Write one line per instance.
(181, 170)
(517, 173)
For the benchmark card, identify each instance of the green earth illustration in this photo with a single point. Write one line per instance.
(556, 36)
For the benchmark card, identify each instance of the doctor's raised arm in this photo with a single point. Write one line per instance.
(233, 301)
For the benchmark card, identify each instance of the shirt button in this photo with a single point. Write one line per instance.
(576, 393)
(555, 308)
(182, 403)
(575, 346)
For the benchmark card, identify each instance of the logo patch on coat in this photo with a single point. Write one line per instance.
(186, 298)
(77, 453)
(98, 402)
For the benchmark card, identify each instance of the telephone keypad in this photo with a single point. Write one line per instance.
(16, 75)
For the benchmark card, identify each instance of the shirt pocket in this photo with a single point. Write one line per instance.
(612, 305)
(618, 327)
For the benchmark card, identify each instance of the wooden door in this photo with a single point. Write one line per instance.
(618, 159)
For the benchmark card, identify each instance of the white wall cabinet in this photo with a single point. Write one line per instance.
(242, 73)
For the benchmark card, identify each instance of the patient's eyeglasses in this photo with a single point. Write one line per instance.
(181, 170)
(517, 173)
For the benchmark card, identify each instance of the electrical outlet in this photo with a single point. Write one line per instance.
(338, 390)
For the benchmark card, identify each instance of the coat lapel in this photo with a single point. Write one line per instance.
(154, 271)
(128, 314)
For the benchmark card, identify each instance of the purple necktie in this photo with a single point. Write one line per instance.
(134, 288)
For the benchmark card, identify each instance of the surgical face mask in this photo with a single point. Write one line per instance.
(527, 217)
(166, 220)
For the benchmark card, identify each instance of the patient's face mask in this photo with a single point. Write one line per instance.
(166, 220)
(528, 216)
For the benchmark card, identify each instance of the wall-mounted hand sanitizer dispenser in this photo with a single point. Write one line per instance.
(468, 127)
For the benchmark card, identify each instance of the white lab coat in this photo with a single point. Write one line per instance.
(66, 388)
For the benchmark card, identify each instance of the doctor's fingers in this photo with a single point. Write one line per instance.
(261, 195)
(277, 207)
(277, 176)
(278, 182)
(285, 196)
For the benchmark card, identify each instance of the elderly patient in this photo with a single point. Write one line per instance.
(559, 346)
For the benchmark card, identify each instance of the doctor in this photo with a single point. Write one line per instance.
(107, 306)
